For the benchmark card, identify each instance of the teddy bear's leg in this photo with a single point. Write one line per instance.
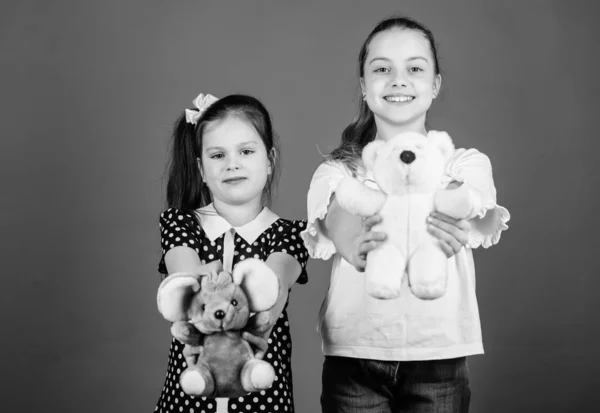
(257, 375)
(427, 272)
(196, 379)
(384, 272)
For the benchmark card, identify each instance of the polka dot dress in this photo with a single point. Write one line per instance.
(181, 229)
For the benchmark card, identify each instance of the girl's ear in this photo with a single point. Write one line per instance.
(362, 88)
(259, 282)
(437, 85)
(272, 160)
(369, 153)
(200, 169)
(175, 294)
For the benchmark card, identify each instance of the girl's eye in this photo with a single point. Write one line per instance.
(247, 151)
(382, 70)
(216, 156)
(415, 69)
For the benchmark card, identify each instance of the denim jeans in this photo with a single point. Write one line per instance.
(371, 386)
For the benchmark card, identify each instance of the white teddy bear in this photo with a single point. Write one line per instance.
(408, 170)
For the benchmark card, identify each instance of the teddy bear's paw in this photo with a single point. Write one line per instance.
(194, 383)
(429, 291)
(383, 292)
(460, 203)
(257, 375)
(386, 289)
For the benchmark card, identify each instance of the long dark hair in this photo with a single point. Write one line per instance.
(362, 129)
(185, 189)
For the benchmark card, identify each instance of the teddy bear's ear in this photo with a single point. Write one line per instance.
(175, 294)
(369, 153)
(443, 141)
(259, 282)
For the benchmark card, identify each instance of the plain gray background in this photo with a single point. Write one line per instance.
(90, 91)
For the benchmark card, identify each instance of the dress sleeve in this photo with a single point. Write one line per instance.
(177, 229)
(324, 183)
(473, 168)
(286, 238)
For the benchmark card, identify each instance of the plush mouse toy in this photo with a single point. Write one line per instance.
(209, 312)
(408, 171)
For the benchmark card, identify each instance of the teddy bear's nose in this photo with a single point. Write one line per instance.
(220, 314)
(407, 156)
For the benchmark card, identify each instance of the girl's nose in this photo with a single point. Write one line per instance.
(233, 163)
(399, 80)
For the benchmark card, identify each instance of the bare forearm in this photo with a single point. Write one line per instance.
(343, 228)
(287, 270)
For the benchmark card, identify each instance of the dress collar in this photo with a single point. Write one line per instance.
(215, 225)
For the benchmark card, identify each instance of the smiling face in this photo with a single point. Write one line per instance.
(400, 80)
(234, 163)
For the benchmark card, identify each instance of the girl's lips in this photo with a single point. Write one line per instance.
(399, 98)
(234, 180)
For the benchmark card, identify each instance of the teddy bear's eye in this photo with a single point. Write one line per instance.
(234, 302)
(203, 307)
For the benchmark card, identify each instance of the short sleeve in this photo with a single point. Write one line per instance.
(177, 229)
(473, 168)
(324, 183)
(286, 238)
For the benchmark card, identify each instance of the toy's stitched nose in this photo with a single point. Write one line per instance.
(407, 156)
(220, 314)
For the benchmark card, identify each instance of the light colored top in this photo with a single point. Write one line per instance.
(353, 324)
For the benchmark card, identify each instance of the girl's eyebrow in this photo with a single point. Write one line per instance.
(379, 58)
(219, 148)
(417, 58)
(389, 60)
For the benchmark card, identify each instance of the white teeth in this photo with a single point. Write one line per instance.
(399, 98)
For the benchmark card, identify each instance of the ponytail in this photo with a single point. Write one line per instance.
(355, 137)
(185, 189)
(362, 129)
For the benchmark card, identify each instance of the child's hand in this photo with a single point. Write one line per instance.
(260, 323)
(367, 241)
(452, 233)
(260, 344)
(186, 333)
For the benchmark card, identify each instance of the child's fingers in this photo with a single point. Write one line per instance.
(443, 217)
(258, 342)
(449, 243)
(360, 263)
(460, 235)
(446, 248)
(372, 236)
(369, 222)
(461, 224)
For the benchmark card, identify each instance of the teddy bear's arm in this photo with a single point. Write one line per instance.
(358, 199)
(463, 202)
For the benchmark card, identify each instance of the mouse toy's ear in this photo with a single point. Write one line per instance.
(176, 291)
(259, 282)
(175, 294)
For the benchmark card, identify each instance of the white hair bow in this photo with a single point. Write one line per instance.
(202, 102)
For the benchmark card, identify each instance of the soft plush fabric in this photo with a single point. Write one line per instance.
(209, 311)
(408, 171)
